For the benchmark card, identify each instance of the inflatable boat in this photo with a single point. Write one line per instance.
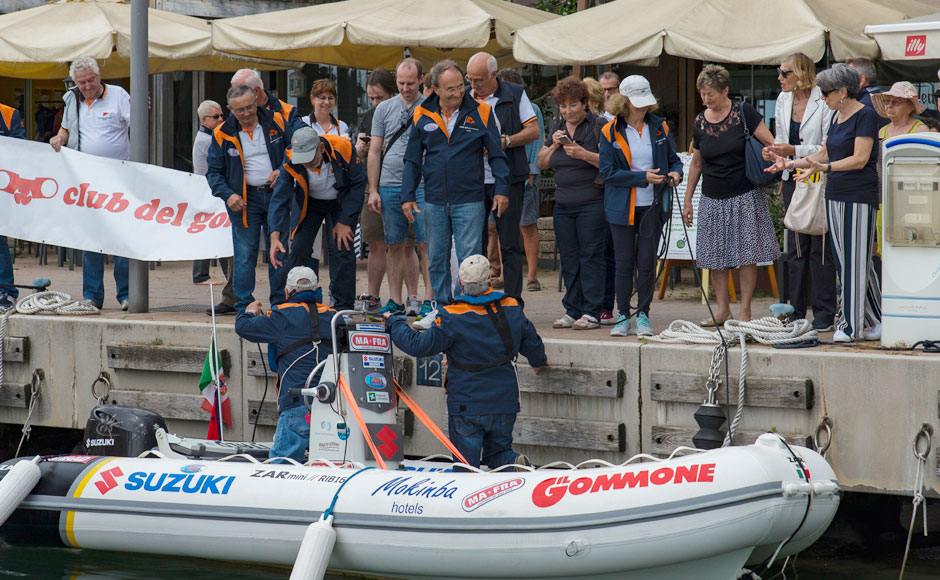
(702, 515)
(697, 514)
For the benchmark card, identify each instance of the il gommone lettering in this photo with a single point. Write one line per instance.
(551, 491)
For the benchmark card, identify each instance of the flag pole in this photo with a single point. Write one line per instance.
(213, 367)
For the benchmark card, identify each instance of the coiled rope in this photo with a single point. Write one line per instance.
(53, 302)
(767, 330)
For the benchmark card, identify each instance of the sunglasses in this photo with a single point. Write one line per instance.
(783, 72)
(219, 116)
(895, 102)
(826, 92)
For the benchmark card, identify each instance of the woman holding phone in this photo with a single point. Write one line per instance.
(581, 229)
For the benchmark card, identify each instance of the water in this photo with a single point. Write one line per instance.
(70, 564)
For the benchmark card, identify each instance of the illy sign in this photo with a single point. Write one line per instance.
(916, 45)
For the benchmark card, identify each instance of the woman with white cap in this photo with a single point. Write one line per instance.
(638, 162)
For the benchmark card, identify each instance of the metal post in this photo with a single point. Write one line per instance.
(139, 282)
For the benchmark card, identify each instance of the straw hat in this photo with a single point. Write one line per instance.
(901, 90)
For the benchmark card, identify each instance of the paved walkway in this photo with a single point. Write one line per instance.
(173, 296)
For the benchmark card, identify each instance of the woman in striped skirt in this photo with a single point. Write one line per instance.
(850, 158)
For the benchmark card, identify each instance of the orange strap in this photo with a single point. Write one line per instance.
(427, 422)
(344, 387)
(625, 150)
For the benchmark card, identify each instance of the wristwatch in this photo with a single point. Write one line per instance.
(828, 167)
(508, 142)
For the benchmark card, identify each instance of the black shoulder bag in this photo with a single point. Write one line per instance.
(754, 163)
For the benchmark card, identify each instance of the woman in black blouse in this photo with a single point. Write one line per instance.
(734, 226)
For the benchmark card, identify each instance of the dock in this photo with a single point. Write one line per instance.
(603, 397)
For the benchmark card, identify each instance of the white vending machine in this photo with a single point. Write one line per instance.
(911, 239)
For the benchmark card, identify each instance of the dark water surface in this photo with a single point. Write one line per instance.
(70, 564)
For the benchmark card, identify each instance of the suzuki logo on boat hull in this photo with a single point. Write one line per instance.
(179, 483)
(487, 494)
(551, 491)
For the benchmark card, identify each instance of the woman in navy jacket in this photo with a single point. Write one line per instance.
(638, 162)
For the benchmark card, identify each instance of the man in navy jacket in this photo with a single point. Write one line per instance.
(11, 125)
(481, 334)
(244, 157)
(321, 180)
(450, 134)
(298, 333)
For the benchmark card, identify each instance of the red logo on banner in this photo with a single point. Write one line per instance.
(108, 480)
(386, 436)
(26, 190)
(916, 45)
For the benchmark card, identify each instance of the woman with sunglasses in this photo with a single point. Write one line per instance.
(849, 157)
(802, 120)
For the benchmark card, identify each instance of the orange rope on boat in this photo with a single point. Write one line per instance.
(427, 422)
(344, 387)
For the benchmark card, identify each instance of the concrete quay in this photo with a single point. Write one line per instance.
(602, 398)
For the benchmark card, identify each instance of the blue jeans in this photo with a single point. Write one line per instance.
(483, 437)
(463, 222)
(93, 277)
(394, 221)
(292, 434)
(6, 270)
(246, 242)
(581, 233)
(342, 261)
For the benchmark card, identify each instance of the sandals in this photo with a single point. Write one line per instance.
(710, 323)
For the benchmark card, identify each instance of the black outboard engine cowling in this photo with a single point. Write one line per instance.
(121, 431)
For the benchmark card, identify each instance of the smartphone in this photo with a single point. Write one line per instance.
(565, 140)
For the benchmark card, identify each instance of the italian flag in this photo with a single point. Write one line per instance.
(211, 390)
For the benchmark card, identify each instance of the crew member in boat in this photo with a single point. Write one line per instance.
(481, 333)
(298, 332)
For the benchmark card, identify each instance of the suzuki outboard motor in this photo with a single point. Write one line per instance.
(121, 431)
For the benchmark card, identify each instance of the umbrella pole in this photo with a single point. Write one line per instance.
(138, 275)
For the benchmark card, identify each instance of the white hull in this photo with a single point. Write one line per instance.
(702, 515)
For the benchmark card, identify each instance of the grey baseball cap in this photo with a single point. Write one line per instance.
(304, 145)
(302, 278)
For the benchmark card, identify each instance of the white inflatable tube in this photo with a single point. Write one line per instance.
(315, 551)
(16, 486)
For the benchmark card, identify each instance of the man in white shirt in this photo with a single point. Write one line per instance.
(518, 126)
(97, 121)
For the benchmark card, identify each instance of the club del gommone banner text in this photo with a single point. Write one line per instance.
(122, 208)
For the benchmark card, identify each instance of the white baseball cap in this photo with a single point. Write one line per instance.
(637, 89)
(475, 270)
(302, 278)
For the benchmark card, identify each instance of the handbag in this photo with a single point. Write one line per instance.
(807, 211)
(754, 163)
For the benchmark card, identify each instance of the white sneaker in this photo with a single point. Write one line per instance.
(563, 322)
(840, 336)
(428, 319)
(874, 333)
(412, 306)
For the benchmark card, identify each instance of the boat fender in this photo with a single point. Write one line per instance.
(315, 550)
(17, 484)
(797, 488)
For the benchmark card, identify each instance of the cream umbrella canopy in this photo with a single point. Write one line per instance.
(374, 33)
(751, 32)
(38, 43)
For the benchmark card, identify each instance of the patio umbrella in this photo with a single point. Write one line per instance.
(912, 39)
(752, 32)
(38, 43)
(374, 33)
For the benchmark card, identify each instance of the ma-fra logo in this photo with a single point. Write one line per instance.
(916, 45)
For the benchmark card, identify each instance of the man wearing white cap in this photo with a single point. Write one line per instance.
(294, 331)
(481, 333)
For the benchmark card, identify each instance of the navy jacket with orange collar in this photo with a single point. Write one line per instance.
(465, 332)
(285, 115)
(280, 327)
(226, 174)
(350, 185)
(621, 181)
(452, 165)
(11, 123)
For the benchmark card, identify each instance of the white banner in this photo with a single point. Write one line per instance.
(679, 243)
(122, 208)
